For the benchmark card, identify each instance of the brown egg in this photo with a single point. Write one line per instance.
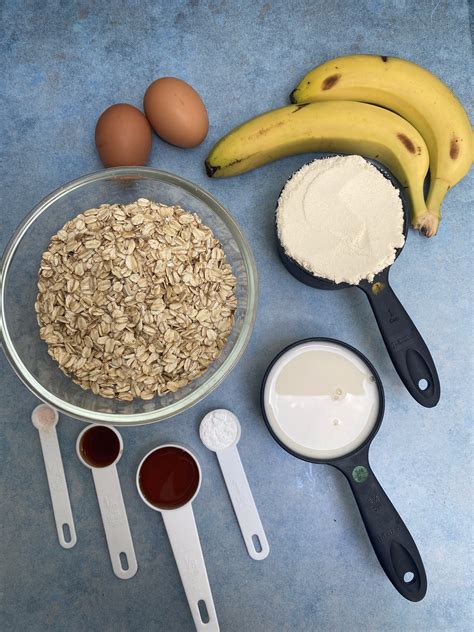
(176, 112)
(123, 136)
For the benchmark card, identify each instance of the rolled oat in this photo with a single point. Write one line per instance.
(135, 300)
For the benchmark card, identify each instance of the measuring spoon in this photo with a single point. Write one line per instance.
(407, 349)
(44, 419)
(323, 402)
(168, 480)
(220, 432)
(99, 448)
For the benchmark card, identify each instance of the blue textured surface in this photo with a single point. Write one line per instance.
(63, 63)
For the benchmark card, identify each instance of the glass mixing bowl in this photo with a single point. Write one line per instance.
(25, 350)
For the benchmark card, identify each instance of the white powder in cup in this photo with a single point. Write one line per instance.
(341, 219)
(219, 429)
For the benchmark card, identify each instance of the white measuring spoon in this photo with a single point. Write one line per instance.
(220, 432)
(99, 448)
(44, 419)
(168, 480)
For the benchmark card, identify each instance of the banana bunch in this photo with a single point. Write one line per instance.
(380, 107)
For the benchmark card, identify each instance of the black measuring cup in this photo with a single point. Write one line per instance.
(390, 538)
(407, 349)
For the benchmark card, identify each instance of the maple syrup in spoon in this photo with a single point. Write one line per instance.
(169, 477)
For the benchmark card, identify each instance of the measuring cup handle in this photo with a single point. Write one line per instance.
(243, 502)
(407, 349)
(390, 538)
(184, 539)
(58, 487)
(115, 521)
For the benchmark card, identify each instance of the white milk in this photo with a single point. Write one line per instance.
(321, 400)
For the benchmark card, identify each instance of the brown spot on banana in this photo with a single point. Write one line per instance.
(407, 142)
(330, 81)
(454, 148)
(263, 131)
(384, 58)
(299, 107)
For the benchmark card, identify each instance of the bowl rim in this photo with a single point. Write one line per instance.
(208, 384)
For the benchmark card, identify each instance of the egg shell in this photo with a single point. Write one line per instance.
(123, 136)
(176, 112)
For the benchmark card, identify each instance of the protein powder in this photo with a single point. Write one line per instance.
(341, 219)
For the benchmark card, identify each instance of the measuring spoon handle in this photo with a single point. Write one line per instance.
(58, 487)
(243, 503)
(390, 538)
(407, 349)
(184, 539)
(115, 521)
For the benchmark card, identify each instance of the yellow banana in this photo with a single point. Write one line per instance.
(417, 95)
(341, 127)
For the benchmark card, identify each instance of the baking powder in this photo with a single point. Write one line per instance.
(219, 429)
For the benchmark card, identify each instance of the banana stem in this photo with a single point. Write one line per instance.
(427, 221)
(421, 218)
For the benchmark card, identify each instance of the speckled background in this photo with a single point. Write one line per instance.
(62, 64)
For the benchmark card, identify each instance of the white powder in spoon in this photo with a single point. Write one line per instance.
(341, 219)
(219, 429)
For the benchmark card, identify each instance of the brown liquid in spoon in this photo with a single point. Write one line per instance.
(100, 446)
(169, 477)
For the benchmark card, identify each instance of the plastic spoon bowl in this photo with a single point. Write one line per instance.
(236, 481)
(407, 349)
(168, 480)
(99, 448)
(45, 419)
